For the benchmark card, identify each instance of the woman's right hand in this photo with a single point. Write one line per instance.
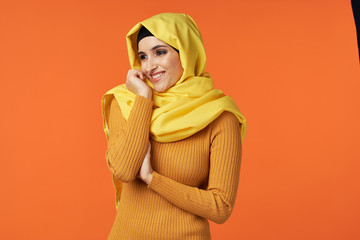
(135, 83)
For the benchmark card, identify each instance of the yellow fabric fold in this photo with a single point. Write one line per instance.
(192, 103)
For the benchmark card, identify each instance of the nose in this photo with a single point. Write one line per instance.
(149, 65)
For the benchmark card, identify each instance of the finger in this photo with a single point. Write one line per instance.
(131, 72)
(144, 75)
(139, 74)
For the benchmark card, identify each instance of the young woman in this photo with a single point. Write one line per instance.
(174, 142)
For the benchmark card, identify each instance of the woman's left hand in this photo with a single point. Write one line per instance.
(146, 170)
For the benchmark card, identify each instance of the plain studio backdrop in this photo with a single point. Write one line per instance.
(291, 66)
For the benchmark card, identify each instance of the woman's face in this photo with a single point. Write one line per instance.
(160, 63)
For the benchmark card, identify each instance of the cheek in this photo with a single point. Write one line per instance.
(176, 67)
(180, 70)
(142, 67)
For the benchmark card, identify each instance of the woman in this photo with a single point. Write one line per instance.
(174, 142)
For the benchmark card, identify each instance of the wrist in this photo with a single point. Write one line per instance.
(149, 178)
(147, 94)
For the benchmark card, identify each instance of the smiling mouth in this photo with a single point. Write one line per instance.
(156, 77)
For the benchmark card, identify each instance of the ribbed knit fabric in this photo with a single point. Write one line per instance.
(194, 179)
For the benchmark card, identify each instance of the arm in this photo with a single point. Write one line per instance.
(217, 201)
(128, 140)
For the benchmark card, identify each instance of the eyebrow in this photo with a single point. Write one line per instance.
(154, 48)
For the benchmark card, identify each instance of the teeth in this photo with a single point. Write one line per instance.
(157, 75)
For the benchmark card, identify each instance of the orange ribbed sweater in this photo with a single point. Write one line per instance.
(194, 179)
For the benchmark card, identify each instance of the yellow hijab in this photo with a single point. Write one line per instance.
(191, 104)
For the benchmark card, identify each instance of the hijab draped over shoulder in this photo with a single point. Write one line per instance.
(191, 104)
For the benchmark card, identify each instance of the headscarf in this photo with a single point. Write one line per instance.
(191, 103)
(143, 33)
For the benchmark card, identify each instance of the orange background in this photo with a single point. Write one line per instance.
(291, 66)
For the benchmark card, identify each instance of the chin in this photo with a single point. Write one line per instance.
(160, 89)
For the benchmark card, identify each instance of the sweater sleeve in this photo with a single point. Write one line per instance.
(128, 140)
(217, 200)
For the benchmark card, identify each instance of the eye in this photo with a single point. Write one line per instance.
(161, 52)
(142, 57)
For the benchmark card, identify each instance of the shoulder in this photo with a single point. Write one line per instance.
(225, 118)
(114, 103)
(226, 125)
(114, 110)
(110, 97)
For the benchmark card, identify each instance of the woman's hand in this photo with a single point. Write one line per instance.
(146, 170)
(135, 83)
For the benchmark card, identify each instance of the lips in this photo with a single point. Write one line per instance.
(155, 77)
